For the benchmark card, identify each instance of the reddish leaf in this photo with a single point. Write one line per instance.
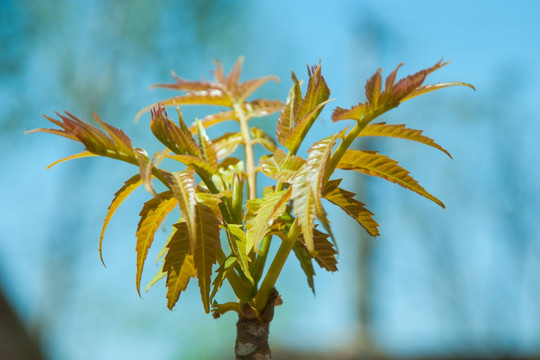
(374, 164)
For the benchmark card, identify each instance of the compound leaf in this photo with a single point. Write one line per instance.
(374, 164)
(119, 197)
(152, 214)
(400, 131)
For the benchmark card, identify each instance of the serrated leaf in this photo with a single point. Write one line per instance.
(182, 184)
(116, 146)
(75, 156)
(270, 208)
(400, 131)
(433, 87)
(198, 164)
(300, 113)
(354, 208)
(286, 117)
(177, 138)
(145, 170)
(178, 264)
(261, 137)
(222, 273)
(374, 164)
(373, 88)
(238, 244)
(206, 250)
(129, 186)
(243, 90)
(280, 166)
(324, 249)
(297, 134)
(214, 119)
(215, 97)
(152, 214)
(307, 188)
(304, 258)
(262, 107)
(227, 143)
(207, 150)
(354, 113)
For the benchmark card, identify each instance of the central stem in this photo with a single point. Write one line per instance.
(248, 146)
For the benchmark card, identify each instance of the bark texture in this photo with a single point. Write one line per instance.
(253, 329)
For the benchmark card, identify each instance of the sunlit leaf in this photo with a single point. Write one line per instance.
(400, 131)
(374, 164)
(152, 214)
(214, 119)
(280, 166)
(177, 138)
(270, 208)
(354, 113)
(299, 113)
(307, 188)
(429, 88)
(259, 136)
(207, 150)
(206, 250)
(182, 184)
(116, 146)
(75, 156)
(354, 208)
(238, 244)
(201, 166)
(227, 143)
(119, 197)
(178, 264)
(325, 254)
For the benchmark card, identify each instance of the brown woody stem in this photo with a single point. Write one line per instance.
(252, 330)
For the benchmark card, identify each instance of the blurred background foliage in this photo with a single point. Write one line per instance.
(460, 282)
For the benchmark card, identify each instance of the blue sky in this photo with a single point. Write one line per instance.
(443, 281)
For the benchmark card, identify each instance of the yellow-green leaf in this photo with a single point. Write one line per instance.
(325, 254)
(222, 273)
(270, 208)
(178, 264)
(307, 188)
(259, 136)
(354, 113)
(400, 131)
(198, 164)
(354, 208)
(280, 166)
(182, 184)
(208, 152)
(374, 164)
(152, 214)
(227, 143)
(75, 156)
(206, 250)
(177, 138)
(429, 88)
(119, 197)
(238, 244)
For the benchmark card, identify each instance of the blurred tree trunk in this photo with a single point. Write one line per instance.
(15, 341)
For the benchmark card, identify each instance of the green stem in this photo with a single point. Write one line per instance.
(241, 289)
(344, 146)
(260, 262)
(248, 146)
(261, 298)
